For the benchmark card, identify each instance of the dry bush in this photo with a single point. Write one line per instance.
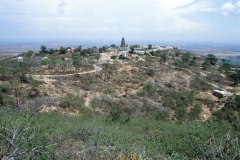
(38, 103)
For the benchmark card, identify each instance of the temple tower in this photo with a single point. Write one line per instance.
(123, 42)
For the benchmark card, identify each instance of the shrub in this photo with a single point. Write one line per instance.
(150, 72)
(5, 88)
(113, 57)
(169, 84)
(161, 115)
(77, 104)
(206, 65)
(230, 112)
(199, 84)
(6, 100)
(108, 90)
(180, 64)
(181, 112)
(178, 101)
(225, 67)
(170, 102)
(214, 77)
(114, 114)
(186, 57)
(148, 90)
(36, 104)
(195, 111)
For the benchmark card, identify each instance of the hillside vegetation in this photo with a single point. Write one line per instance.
(156, 106)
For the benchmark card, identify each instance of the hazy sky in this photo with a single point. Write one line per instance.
(160, 20)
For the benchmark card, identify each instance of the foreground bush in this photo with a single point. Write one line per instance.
(27, 135)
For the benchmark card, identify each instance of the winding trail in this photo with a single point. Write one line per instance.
(96, 69)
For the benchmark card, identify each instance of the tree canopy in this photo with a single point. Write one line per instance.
(225, 67)
(43, 49)
(62, 50)
(149, 46)
(211, 59)
(234, 77)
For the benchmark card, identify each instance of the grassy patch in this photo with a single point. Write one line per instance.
(44, 136)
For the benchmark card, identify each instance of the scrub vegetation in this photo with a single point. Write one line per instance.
(57, 104)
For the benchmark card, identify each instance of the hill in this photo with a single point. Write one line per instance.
(89, 105)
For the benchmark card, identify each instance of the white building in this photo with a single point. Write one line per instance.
(20, 59)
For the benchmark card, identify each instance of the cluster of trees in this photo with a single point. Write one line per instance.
(63, 50)
(134, 46)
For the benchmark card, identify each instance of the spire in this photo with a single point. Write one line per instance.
(123, 42)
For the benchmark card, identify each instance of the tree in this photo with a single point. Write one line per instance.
(113, 46)
(136, 46)
(84, 53)
(132, 50)
(104, 48)
(97, 57)
(77, 61)
(177, 54)
(43, 49)
(225, 67)
(79, 48)
(152, 53)
(149, 46)
(62, 50)
(51, 51)
(211, 59)
(94, 49)
(234, 77)
(224, 60)
(29, 53)
(100, 50)
(163, 58)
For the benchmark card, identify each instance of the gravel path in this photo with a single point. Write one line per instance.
(96, 69)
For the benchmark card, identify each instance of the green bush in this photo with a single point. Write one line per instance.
(108, 90)
(161, 115)
(148, 90)
(6, 100)
(225, 67)
(178, 101)
(181, 112)
(214, 77)
(150, 72)
(113, 57)
(74, 103)
(186, 57)
(195, 111)
(4, 88)
(230, 112)
(114, 114)
(206, 65)
(199, 84)
(61, 136)
(180, 64)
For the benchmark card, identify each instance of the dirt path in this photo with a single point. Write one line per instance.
(96, 69)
